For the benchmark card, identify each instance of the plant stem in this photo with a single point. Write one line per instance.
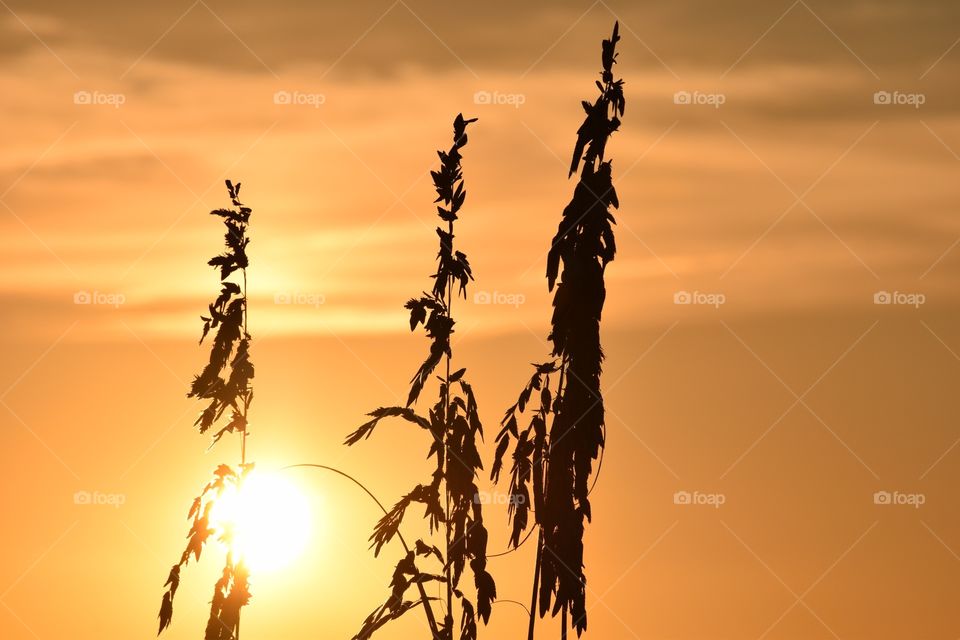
(428, 611)
(246, 407)
(536, 582)
(446, 454)
(546, 463)
(246, 398)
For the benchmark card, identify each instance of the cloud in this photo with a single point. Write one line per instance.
(113, 197)
(382, 39)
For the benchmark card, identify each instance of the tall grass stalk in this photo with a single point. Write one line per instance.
(553, 456)
(450, 498)
(224, 385)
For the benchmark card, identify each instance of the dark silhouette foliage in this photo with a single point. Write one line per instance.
(224, 383)
(450, 497)
(553, 456)
(228, 314)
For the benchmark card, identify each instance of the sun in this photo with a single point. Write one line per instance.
(269, 518)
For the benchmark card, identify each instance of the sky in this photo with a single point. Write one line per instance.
(780, 326)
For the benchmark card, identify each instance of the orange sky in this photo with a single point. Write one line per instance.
(796, 200)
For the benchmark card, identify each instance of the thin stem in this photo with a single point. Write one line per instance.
(246, 405)
(563, 371)
(446, 454)
(510, 549)
(536, 583)
(235, 636)
(428, 610)
(508, 601)
(246, 398)
(539, 561)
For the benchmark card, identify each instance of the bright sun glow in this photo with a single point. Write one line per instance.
(270, 519)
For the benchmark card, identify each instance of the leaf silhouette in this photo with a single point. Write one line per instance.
(166, 612)
(366, 429)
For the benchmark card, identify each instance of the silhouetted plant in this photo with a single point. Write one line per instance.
(553, 456)
(224, 383)
(451, 499)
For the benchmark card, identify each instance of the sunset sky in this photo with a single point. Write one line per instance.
(790, 168)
